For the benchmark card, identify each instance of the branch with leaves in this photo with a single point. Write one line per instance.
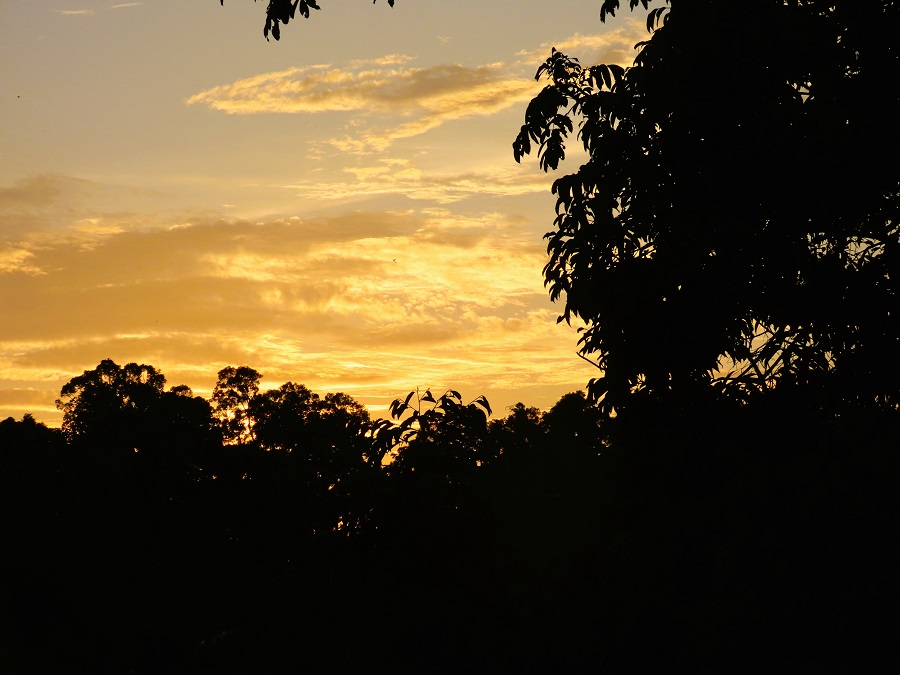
(417, 411)
(282, 11)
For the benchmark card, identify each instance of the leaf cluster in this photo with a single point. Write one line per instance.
(417, 412)
(282, 11)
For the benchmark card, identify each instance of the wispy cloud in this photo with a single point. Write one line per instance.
(90, 11)
(363, 86)
(17, 260)
(613, 46)
(386, 60)
(394, 176)
(410, 100)
(425, 98)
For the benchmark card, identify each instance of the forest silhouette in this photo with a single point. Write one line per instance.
(723, 498)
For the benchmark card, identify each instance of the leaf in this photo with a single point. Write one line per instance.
(482, 401)
(653, 18)
(428, 397)
(522, 144)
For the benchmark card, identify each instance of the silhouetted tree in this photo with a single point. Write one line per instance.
(282, 415)
(126, 408)
(232, 393)
(440, 442)
(322, 450)
(109, 399)
(733, 222)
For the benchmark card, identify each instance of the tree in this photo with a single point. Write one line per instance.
(732, 225)
(280, 416)
(108, 399)
(438, 443)
(125, 410)
(327, 437)
(232, 393)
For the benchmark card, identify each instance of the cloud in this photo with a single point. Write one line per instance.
(369, 302)
(389, 176)
(313, 274)
(442, 90)
(386, 60)
(610, 47)
(17, 260)
(425, 97)
(88, 12)
(401, 101)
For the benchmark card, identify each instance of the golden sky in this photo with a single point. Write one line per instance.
(339, 209)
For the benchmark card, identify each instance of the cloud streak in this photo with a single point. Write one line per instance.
(426, 97)
(611, 47)
(392, 176)
(411, 100)
(89, 11)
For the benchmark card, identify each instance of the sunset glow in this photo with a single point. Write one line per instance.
(339, 209)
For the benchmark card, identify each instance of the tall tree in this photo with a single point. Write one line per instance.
(736, 221)
(232, 393)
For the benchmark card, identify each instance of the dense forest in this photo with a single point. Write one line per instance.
(723, 498)
(281, 531)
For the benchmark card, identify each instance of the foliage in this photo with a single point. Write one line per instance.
(235, 388)
(282, 11)
(441, 439)
(685, 535)
(732, 225)
(108, 396)
(282, 416)
(391, 437)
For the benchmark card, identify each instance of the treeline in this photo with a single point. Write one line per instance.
(281, 531)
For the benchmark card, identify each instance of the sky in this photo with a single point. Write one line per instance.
(339, 209)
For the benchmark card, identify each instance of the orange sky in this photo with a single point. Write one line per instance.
(340, 209)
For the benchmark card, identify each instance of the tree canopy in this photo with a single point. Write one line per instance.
(736, 222)
(533, 542)
(109, 396)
